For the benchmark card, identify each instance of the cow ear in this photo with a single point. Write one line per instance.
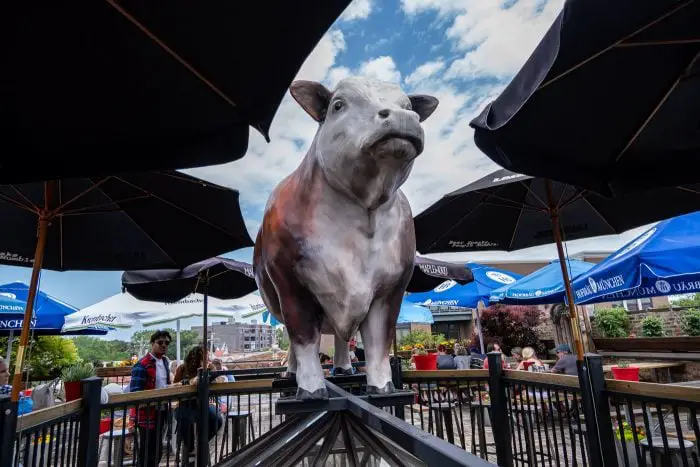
(423, 105)
(312, 97)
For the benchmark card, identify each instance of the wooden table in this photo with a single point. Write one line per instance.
(654, 366)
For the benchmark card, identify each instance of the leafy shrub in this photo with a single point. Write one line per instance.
(653, 326)
(612, 322)
(426, 339)
(77, 372)
(511, 326)
(690, 322)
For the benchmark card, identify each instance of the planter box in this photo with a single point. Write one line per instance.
(648, 344)
(626, 374)
(426, 362)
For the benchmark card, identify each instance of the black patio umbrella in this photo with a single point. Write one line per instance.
(94, 88)
(217, 277)
(428, 273)
(509, 211)
(608, 101)
(143, 220)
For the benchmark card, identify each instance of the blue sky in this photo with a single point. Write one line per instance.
(462, 51)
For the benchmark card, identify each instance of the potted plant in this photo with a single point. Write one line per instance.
(424, 360)
(626, 442)
(72, 377)
(623, 371)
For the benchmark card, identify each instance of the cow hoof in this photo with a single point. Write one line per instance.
(337, 371)
(387, 389)
(318, 394)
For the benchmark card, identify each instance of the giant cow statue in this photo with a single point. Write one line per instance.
(336, 248)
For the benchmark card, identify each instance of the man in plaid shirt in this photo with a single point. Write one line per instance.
(151, 372)
(4, 378)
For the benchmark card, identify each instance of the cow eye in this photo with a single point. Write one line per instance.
(338, 105)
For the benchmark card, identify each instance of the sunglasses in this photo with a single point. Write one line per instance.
(166, 343)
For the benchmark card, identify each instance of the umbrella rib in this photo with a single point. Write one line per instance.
(615, 44)
(581, 194)
(93, 209)
(172, 53)
(683, 188)
(33, 209)
(178, 208)
(529, 190)
(658, 106)
(599, 214)
(515, 229)
(93, 187)
(653, 43)
(140, 228)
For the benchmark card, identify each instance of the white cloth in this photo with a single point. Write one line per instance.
(161, 373)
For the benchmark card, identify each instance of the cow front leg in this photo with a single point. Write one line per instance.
(310, 381)
(377, 330)
(341, 358)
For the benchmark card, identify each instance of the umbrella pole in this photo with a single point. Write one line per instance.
(479, 307)
(205, 295)
(177, 341)
(33, 285)
(556, 227)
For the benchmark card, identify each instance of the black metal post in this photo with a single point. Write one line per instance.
(203, 425)
(397, 379)
(8, 428)
(88, 442)
(499, 411)
(600, 437)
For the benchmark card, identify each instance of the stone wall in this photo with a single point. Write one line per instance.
(672, 322)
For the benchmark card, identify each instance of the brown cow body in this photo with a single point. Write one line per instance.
(337, 247)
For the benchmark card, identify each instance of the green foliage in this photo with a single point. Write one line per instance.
(692, 301)
(96, 350)
(428, 340)
(511, 326)
(77, 372)
(623, 363)
(141, 342)
(282, 338)
(690, 321)
(653, 326)
(612, 322)
(45, 357)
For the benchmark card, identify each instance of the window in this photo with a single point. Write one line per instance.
(449, 330)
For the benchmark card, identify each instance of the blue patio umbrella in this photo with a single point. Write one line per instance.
(664, 260)
(542, 287)
(48, 317)
(267, 315)
(449, 293)
(412, 313)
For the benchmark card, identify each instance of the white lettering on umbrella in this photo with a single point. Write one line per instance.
(433, 269)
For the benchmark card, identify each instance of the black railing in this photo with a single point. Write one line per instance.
(502, 416)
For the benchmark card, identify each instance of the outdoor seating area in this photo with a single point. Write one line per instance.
(529, 418)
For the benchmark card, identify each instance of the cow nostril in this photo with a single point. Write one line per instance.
(384, 113)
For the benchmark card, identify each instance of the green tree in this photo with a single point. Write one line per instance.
(96, 350)
(141, 342)
(612, 322)
(282, 338)
(692, 301)
(47, 355)
(511, 326)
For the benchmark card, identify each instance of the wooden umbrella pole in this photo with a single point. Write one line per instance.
(556, 227)
(31, 296)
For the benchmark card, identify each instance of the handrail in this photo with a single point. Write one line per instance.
(263, 384)
(41, 416)
(542, 378)
(446, 374)
(152, 394)
(653, 390)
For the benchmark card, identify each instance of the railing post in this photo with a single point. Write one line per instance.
(397, 379)
(600, 437)
(88, 441)
(8, 430)
(203, 425)
(499, 411)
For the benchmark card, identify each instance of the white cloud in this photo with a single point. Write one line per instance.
(358, 9)
(493, 40)
(382, 68)
(425, 71)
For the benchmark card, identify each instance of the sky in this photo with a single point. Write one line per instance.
(464, 52)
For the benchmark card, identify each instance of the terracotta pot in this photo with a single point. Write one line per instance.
(626, 374)
(74, 390)
(426, 362)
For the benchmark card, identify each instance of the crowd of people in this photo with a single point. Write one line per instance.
(525, 358)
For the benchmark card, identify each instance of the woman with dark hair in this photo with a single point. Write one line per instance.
(445, 361)
(187, 414)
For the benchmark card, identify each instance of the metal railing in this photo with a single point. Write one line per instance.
(502, 416)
